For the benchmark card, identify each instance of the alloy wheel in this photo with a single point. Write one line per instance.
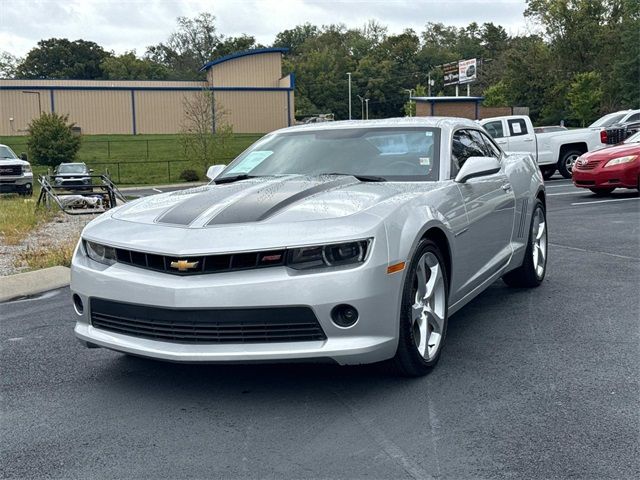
(570, 160)
(539, 243)
(428, 309)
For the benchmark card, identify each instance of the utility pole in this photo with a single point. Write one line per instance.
(366, 100)
(361, 107)
(349, 75)
(429, 84)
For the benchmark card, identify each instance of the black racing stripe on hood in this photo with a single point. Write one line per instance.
(274, 197)
(185, 212)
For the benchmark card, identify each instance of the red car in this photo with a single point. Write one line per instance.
(603, 171)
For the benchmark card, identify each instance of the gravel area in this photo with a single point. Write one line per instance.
(57, 232)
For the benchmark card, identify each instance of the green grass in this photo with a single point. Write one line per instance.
(137, 159)
(18, 217)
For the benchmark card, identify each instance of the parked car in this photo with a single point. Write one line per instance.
(15, 174)
(73, 176)
(621, 117)
(349, 241)
(610, 168)
(554, 150)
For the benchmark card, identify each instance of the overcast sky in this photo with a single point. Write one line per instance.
(121, 25)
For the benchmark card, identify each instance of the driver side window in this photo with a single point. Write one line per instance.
(465, 144)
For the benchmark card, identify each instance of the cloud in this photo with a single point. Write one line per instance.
(122, 25)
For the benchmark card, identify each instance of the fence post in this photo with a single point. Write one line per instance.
(169, 170)
(109, 149)
(147, 149)
(118, 164)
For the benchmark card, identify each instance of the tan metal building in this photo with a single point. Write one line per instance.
(248, 86)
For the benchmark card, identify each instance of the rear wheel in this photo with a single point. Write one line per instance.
(565, 165)
(423, 316)
(602, 191)
(548, 171)
(534, 267)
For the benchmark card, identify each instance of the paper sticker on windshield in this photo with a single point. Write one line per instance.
(425, 161)
(251, 161)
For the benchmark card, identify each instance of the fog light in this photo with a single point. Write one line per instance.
(77, 304)
(344, 316)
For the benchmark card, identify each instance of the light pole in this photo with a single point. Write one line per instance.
(361, 107)
(349, 75)
(366, 102)
(410, 91)
(39, 103)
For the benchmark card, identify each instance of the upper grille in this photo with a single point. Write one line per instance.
(11, 170)
(192, 265)
(590, 165)
(207, 326)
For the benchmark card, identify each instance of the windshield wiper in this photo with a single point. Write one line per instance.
(362, 178)
(233, 178)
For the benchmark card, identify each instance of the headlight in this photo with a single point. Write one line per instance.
(333, 255)
(621, 160)
(100, 253)
(26, 169)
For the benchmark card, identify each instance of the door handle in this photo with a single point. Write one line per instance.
(528, 139)
(501, 142)
(506, 187)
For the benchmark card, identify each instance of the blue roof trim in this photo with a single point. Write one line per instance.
(244, 53)
(446, 100)
(155, 89)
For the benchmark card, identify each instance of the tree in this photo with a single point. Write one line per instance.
(129, 67)
(204, 132)
(194, 43)
(496, 95)
(51, 140)
(585, 94)
(8, 64)
(60, 58)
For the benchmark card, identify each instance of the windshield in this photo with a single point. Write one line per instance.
(72, 168)
(394, 153)
(635, 138)
(608, 120)
(6, 152)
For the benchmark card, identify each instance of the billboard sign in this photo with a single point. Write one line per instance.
(451, 73)
(467, 71)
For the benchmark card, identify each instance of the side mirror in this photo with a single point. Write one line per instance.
(23, 156)
(477, 167)
(214, 171)
(91, 170)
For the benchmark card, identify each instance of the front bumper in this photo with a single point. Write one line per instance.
(21, 184)
(368, 288)
(619, 176)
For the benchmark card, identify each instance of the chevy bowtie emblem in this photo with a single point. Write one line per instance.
(184, 265)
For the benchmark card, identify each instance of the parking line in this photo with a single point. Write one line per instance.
(607, 201)
(565, 193)
(157, 190)
(567, 184)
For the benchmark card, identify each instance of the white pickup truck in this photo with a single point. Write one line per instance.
(553, 150)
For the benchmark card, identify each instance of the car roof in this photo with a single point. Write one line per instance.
(73, 163)
(427, 122)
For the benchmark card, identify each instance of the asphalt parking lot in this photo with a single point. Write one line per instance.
(537, 383)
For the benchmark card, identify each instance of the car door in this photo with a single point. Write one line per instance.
(496, 129)
(485, 247)
(520, 139)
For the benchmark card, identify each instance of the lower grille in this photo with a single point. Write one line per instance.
(12, 170)
(207, 326)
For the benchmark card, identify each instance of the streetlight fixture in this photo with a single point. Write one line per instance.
(349, 75)
(366, 100)
(39, 103)
(361, 107)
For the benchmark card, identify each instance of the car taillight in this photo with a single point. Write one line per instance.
(603, 136)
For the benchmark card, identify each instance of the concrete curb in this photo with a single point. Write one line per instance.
(30, 283)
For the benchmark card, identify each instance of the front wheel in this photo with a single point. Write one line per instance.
(602, 191)
(565, 165)
(424, 311)
(534, 267)
(547, 172)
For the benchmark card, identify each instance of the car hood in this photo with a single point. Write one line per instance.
(12, 161)
(255, 213)
(615, 151)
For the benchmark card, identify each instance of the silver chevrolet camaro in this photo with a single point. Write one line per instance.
(347, 241)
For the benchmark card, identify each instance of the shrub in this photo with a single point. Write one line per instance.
(189, 175)
(51, 140)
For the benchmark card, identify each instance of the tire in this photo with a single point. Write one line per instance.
(531, 273)
(565, 164)
(423, 318)
(547, 172)
(601, 192)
